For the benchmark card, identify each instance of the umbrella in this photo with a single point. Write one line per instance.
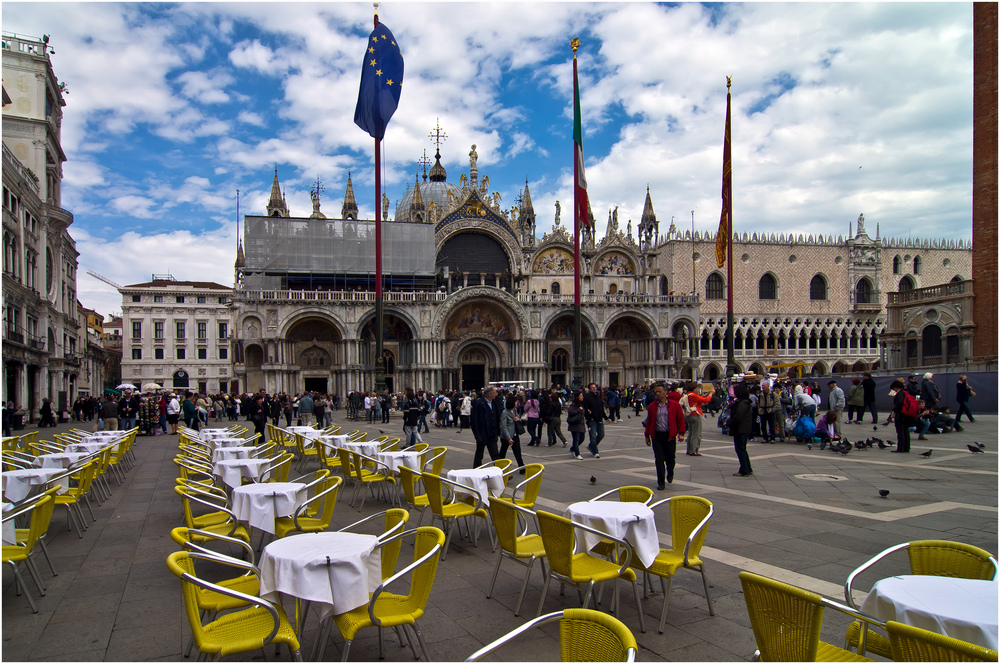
(149, 387)
(126, 386)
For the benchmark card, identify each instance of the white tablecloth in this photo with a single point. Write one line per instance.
(231, 471)
(17, 483)
(338, 571)
(102, 436)
(220, 453)
(368, 449)
(633, 522)
(88, 448)
(964, 609)
(259, 504)
(333, 441)
(9, 535)
(395, 460)
(58, 460)
(302, 430)
(211, 434)
(485, 481)
(226, 442)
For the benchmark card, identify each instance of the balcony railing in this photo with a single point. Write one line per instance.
(11, 335)
(439, 296)
(13, 163)
(932, 292)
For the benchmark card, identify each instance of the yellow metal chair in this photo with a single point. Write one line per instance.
(579, 569)
(435, 460)
(305, 452)
(584, 636)
(24, 534)
(324, 500)
(529, 487)
(211, 603)
(386, 609)
(395, 520)
(239, 631)
(381, 475)
(41, 516)
(912, 644)
(448, 511)
(928, 558)
(522, 548)
(689, 517)
(408, 479)
(278, 469)
(326, 459)
(229, 527)
(787, 620)
(83, 476)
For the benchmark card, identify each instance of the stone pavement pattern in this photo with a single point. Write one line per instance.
(807, 517)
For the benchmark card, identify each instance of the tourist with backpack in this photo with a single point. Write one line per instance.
(905, 409)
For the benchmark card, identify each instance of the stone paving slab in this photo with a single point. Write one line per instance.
(114, 599)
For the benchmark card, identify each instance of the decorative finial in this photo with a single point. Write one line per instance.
(729, 82)
(437, 136)
(574, 44)
(375, 5)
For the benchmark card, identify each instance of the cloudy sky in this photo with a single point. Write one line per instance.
(838, 109)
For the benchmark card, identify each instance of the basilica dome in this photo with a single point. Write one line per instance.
(433, 191)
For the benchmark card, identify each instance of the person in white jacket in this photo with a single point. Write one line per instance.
(173, 413)
(464, 412)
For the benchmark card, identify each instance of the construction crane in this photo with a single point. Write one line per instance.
(104, 279)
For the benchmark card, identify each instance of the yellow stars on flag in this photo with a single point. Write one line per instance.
(389, 82)
(372, 63)
(378, 72)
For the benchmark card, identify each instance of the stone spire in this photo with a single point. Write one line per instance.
(276, 206)
(527, 217)
(648, 216)
(417, 207)
(350, 208)
(241, 260)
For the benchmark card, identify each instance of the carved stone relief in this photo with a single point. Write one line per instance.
(536, 319)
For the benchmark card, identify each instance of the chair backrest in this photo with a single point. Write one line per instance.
(586, 635)
(422, 581)
(912, 644)
(531, 486)
(41, 515)
(278, 471)
(557, 537)
(786, 620)
(433, 485)
(180, 563)
(330, 499)
(635, 494)
(503, 464)
(437, 459)
(390, 445)
(954, 559)
(686, 512)
(394, 517)
(504, 517)
(408, 479)
(346, 467)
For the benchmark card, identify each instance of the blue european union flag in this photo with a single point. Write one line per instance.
(381, 80)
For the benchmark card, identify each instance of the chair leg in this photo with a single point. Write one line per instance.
(496, 570)
(638, 607)
(545, 590)
(524, 585)
(89, 508)
(447, 539)
(19, 582)
(666, 598)
(381, 644)
(347, 649)
(704, 579)
(45, 551)
(423, 645)
(410, 640)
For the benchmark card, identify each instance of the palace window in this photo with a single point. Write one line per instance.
(715, 288)
(767, 288)
(817, 288)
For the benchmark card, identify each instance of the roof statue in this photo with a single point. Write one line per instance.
(558, 212)
(473, 158)
(861, 224)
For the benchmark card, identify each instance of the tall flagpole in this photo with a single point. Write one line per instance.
(577, 381)
(728, 178)
(379, 318)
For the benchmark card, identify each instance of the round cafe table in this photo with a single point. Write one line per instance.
(396, 460)
(337, 571)
(88, 448)
(232, 471)
(633, 522)
(220, 453)
(367, 448)
(483, 481)
(260, 504)
(17, 484)
(964, 609)
(58, 459)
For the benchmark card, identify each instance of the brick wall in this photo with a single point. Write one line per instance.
(984, 168)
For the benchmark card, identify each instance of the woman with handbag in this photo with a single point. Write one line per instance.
(576, 423)
(511, 429)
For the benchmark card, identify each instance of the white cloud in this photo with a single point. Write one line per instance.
(135, 206)
(205, 87)
(251, 118)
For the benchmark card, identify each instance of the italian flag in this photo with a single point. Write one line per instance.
(580, 178)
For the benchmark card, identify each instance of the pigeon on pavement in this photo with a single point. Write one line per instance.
(975, 450)
(883, 492)
(926, 454)
(976, 442)
(593, 480)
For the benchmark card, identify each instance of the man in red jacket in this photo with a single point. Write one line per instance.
(664, 425)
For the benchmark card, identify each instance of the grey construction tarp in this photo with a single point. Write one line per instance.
(280, 244)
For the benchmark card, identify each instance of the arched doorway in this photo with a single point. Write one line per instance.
(254, 356)
(622, 355)
(559, 339)
(559, 366)
(475, 362)
(317, 349)
(396, 335)
(182, 380)
(477, 336)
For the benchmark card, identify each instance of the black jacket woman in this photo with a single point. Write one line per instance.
(508, 431)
